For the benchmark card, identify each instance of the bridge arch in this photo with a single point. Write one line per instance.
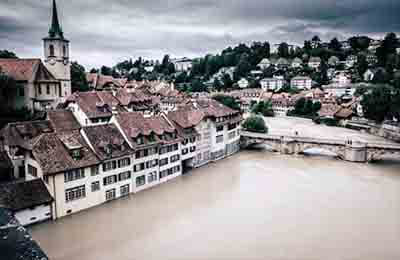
(331, 150)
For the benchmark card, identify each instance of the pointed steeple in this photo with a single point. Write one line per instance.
(55, 29)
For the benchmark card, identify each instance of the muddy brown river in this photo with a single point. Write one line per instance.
(253, 205)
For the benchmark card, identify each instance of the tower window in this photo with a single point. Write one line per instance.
(64, 51)
(60, 90)
(51, 49)
(48, 89)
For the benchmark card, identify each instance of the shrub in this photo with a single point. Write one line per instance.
(255, 124)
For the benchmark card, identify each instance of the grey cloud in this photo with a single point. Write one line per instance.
(104, 32)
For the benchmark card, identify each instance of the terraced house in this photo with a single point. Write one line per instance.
(92, 163)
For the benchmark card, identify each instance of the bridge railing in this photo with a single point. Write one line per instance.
(383, 145)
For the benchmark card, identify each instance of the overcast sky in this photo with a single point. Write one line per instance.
(106, 32)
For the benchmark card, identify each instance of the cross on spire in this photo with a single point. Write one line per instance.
(55, 29)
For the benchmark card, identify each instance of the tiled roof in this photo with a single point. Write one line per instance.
(213, 108)
(20, 69)
(344, 113)
(91, 104)
(63, 120)
(103, 136)
(61, 159)
(186, 118)
(22, 195)
(25, 134)
(26, 69)
(328, 110)
(134, 124)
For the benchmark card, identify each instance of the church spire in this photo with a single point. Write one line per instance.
(55, 29)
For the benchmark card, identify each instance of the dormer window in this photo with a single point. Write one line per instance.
(108, 149)
(139, 140)
(64, 51)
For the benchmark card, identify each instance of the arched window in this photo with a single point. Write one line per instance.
(51, 48)
(64, 51)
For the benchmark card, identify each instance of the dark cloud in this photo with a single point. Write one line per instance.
(105, 32)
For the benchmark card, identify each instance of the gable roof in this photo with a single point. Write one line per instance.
(25, 134)
(134, 124)
(103, 136)
(61, 159)
(26, 70)
(186, 118)
(22, 195)
(63, 120)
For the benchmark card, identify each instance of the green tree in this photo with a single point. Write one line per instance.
(107, 71)
(299, 106)
(389, 45)
(263, 108)
(198, 86)
(316, 107)
(335, 45)
(227, 101)
(5, 54)
(359, 43)
(362, 65)
(377, 104)
(283, 50)
(227, 81)
(255, 124)
(78, 77)
(217, 85)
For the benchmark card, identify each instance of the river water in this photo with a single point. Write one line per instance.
(253, 205)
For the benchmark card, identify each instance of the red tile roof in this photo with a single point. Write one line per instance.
(63, 120)
(26, 69)
(102, 136)
(186, 118)
(61, 160)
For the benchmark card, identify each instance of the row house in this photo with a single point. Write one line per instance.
(93, 108)
(314, 62)
(273, 84)
(351, 61)
(297, 63)
(301, 82)
(195, 131)
(157, 148)
(264, 64)
(224, 124)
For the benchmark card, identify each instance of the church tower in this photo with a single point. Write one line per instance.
(56, 54)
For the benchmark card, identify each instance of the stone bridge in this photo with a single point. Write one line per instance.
(348, 150)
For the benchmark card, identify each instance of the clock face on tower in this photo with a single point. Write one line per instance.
(52, 61)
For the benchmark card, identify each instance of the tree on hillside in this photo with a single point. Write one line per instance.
(255, 124)
(362, 65)
(359, 43)
(227, 101)
(227, 81)
(5, 54)
(283, 50)
(107, 71)
(335, 45)
(198, 86)
(389, 45)
(377, 104)
(78, 77)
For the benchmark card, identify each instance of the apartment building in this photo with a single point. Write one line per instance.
(90, 165)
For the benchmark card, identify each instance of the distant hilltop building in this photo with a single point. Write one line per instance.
(181, 65)
(40, 85)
